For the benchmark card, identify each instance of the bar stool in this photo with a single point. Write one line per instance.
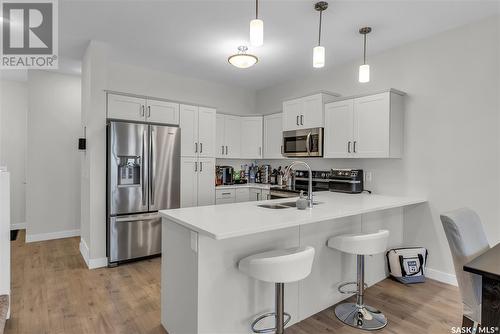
(279, 267)
(358, 314)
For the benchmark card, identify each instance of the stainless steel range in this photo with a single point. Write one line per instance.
(143, 177)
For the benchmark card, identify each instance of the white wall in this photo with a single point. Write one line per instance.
(14, 110)
(100, 73)
(53, 160)
(452, 127)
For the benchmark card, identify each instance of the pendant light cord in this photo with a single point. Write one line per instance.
(364, 50)
(319, 34)
(256, 9)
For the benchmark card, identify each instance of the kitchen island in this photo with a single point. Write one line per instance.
(202, 290)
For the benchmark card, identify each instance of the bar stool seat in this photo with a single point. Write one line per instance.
(279, 267)
(358, 314)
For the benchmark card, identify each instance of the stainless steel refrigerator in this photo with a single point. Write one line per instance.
(143, 176)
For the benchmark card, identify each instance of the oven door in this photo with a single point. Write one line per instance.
(303, 143)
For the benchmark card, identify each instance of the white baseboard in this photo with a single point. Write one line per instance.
(441, 276)
(91, 263)
(52, 235)
(18, 226)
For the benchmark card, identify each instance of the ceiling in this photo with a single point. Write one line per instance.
(194, 38)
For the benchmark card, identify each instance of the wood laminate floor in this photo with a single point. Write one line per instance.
(54, 292)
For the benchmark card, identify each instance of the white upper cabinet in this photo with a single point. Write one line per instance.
(251, 137)
(338, 132)
(220, 128)
(305, 112)
(189, 130)
(126, 107)
(206, 131)
(142, 110)
(228, 137)
(273, 136)
(162, 112)
(365, 127)
(197, 131)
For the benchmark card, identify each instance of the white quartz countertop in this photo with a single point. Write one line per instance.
(246, 185)
(239, 219)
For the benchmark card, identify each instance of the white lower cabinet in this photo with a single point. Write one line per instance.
(365, 127)
(197, 181)
(242, 195)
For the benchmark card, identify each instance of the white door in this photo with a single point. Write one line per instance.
(255, 194)
(242, 195)
(162, 112)
(206, 181)
(273, 136)
(207, 132)
(232, 131)
(251, 138)
(220, 144)
(126, 107)
(339, 129)
(189, 182)
(371, 126)
(312, 112)
(189, 130)
(292, 110)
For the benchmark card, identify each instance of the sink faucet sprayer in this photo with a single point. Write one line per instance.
(309, 191)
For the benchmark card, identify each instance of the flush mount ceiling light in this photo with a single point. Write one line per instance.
(364, 70)
(242, 59)
(256, 28)
(319, 51)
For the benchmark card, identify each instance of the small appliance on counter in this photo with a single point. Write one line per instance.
(224, 175)
(346, 181)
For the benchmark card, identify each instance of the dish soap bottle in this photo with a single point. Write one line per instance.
(302, 201)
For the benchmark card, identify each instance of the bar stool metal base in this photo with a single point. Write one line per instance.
(271, 329)
(362, 317)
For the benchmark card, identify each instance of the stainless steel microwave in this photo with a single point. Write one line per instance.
(303, 143)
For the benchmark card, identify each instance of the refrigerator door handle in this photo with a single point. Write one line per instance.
(143, 162)
(153, 166)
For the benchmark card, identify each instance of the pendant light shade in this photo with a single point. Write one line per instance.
(319, 51)
(257, 32)
(318, 56)
(364, 70)
(256, 28)
(242, 59)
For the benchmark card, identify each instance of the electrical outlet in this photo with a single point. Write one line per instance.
(368, 177)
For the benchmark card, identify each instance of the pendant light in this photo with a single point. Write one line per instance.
(242, 59)
(364, 70)
(319, 51)
(256, 28)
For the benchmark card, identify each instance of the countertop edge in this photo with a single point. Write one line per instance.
(223, 236)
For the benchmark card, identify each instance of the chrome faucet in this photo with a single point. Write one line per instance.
(309, 191)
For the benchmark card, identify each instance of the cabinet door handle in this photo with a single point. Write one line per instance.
(195, 166)
(149, 111)
(201, 147)
(297, 119)
(348, 147)
(222, 149)
(196, 147)
(354, 147)
(201, 166)
(301, 119)
(142, 111)
(227, 150)
(260, 151)
(257, 194)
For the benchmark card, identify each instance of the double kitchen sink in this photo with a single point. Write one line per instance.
(285, 205)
